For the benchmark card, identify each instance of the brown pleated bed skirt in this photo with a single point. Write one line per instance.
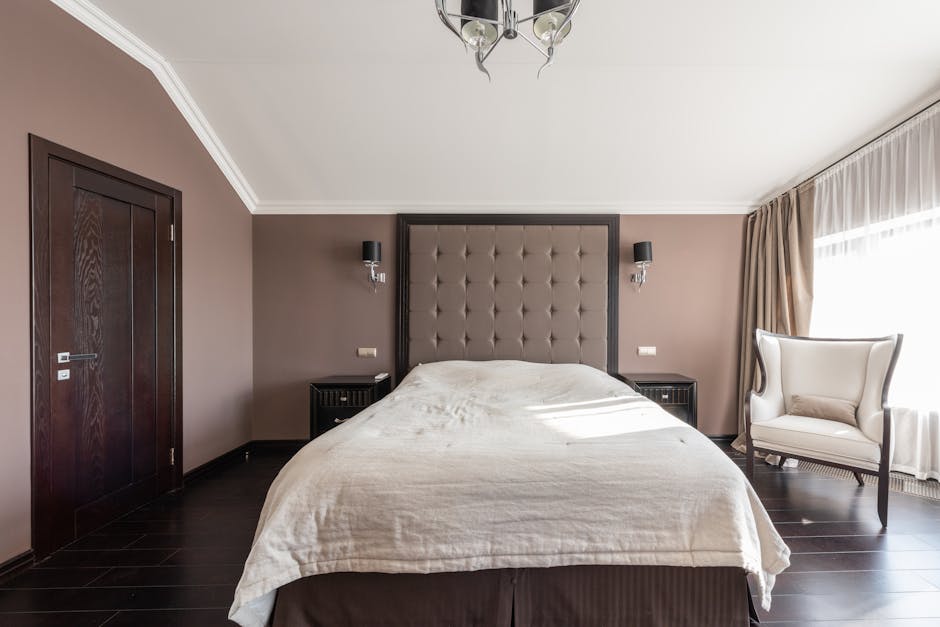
(637, 596)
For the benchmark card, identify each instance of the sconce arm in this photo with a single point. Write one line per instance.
(375, 277)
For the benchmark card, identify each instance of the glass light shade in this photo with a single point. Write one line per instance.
(547, 24)
(479, 35)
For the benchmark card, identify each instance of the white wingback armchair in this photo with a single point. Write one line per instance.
(794, 369)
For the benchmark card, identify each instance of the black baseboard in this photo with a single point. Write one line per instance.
(224, 460)
(241, 453)
(724, 440)
(277, 446)
(15, 565)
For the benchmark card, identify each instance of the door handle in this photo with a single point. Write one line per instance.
(64, 358)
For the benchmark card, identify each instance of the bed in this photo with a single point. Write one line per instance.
(508, 479)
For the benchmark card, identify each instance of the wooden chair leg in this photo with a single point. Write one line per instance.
(884, 479)
(858, 477)
(749, 464)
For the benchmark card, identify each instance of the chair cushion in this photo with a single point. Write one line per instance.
(837, 369)
(813, 437)
(824, 407)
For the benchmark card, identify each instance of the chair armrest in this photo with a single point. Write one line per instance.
(876, 424)
(764, 407)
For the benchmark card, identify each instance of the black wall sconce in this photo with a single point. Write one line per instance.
(372, 257)
(643, 258)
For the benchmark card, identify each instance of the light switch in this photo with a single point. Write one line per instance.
(63, 375)
(646, 351)
(366, 352)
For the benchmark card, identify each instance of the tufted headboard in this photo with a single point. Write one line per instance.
(539, 288)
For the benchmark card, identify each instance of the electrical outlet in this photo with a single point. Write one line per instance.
(367, 352)
(646, 351)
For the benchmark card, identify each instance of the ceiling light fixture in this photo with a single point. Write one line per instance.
(485, 23)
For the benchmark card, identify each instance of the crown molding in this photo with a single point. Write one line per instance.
(105, 26)
(385, 208)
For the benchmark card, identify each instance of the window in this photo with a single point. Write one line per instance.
(881, 279)
(877, 272)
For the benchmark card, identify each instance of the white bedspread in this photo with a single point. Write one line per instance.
(503, 464)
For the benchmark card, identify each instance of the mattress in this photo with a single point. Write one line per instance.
(471, 466)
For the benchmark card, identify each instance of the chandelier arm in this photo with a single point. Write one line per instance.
(472, 18)
(570, 16)
(492, 48)
(442, 13)
(549, 62)
(479, 59)
(533, 44)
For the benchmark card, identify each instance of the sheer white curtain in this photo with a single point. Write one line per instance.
(877, 272)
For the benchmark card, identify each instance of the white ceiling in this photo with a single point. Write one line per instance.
(660, 106)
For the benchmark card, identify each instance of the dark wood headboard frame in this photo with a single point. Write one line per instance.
(406, 220)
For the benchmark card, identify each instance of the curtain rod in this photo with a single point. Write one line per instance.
(863, 146)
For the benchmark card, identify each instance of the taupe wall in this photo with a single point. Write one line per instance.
(689, 308)
(313, 307)
(63, 82)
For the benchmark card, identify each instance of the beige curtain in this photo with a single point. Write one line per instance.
(778, 278)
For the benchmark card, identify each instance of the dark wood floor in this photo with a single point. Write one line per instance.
(173, 562)
(844, 569)
(177, 560)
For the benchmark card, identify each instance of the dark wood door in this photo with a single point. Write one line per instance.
(104, 328)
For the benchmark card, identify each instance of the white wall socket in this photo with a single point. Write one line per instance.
(646, 351)
(366, 352)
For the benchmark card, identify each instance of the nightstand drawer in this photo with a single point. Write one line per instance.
(338, 397)
(329, 417)
(666, 395)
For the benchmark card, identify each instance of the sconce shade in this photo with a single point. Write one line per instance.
(643, 252)
(372, 251)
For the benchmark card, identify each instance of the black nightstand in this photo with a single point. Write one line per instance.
(675, 393)
(334, 400)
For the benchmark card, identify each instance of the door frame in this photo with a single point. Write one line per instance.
(40, 152)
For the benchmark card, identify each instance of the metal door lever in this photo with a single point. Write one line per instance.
(64, 358)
